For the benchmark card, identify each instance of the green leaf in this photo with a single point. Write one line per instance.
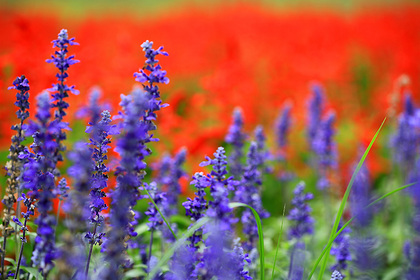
(181, 241)
(260, 234)
(33, 272)
(12, 261)
(134, 273)
(343, 205)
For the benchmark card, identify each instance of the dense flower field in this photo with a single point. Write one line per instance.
(289, 179)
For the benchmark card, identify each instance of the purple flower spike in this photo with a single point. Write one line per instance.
(316, 107)
(341, 250)
(405, 140)
(263, 154)
(39, 179)
(326, 151)
(300, 215)
(249, 192)
(282, 125)
(195, 208)
(60, 90)
(236, 137)
(14, 165)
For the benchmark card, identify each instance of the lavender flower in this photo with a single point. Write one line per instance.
(100, 129)
(405, 140)
(195, 208)
(39, 179)
(159, 197)
(219, 259)
(182, 264)
(138, 115)
(248, 192)
(236, 137)
(412, 254)
(316, 107)
(60, 90)
(173, 190)
(360, 198)
(263, 154)
(282, 126)
(325, 150)
(300, 215)
(156, 76)
(341, 250)
(14, 165)
(297, 262)
(219, 188)
(72, 257)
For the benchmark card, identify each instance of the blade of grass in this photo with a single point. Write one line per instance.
(260, 234)
(344, 200)
(278, 243)
(181, 241)
(163, 217)
(348, 222)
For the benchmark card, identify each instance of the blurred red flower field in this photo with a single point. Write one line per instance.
(241, 55)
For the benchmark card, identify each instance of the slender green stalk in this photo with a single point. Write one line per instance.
(90, 252)
(278, 243)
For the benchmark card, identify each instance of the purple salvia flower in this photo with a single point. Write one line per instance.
(39, 179)
(412, 254)
(195, 208)
(282, 127)
(336, 275)
(236, 137)
(62, 189)
(405, 140)
(173, 190)
(60, 89)
(72, 257)
(130, 174)
(100, 128)
(159, 197)
(182, 264)
(300, 215)
(163, 167)
(139, 113)
(263, 154)
(249, 192)
(150, 84)
(360, 198)
(14, 165)
(325, 150)
(316, 107)
(341, 250)
(297, 262)
(219, 188)
(219, 259)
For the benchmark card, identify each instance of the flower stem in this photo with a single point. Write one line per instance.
(90, 251)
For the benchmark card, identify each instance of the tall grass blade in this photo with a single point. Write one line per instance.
(278, 243)
(260, 234)
(348, 222)
(344, 201)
